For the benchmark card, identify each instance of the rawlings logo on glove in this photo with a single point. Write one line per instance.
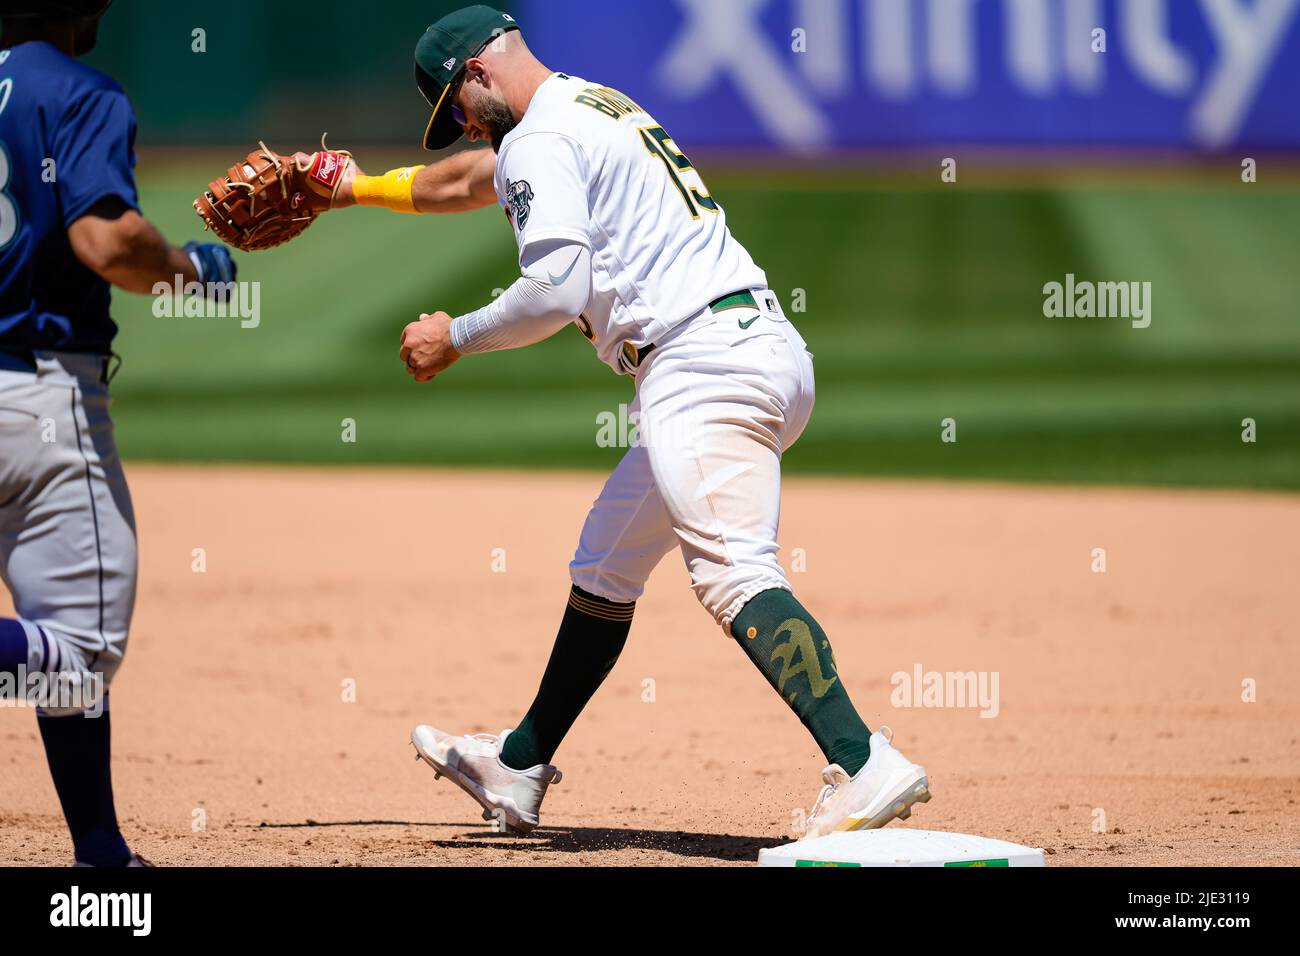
(326, 169)
(268, 199)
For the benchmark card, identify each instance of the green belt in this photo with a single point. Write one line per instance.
(633, 357)
(736, 300)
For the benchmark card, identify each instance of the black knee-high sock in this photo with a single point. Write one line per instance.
(591, 637)
(78, 752)
(791, 649)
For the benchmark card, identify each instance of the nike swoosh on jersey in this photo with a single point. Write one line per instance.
(561, 279)
(745, 325)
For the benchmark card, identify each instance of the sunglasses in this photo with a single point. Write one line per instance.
(457, 113)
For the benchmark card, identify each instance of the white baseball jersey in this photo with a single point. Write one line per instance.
(586, 164)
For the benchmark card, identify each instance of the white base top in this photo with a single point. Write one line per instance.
(900, 847)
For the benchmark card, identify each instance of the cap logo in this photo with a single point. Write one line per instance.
(508, 17)
(449, 64)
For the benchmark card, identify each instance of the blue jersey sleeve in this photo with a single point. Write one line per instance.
(94, 153)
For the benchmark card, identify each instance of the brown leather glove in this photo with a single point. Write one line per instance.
(268, 199)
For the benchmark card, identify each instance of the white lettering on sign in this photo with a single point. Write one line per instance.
(911, 48)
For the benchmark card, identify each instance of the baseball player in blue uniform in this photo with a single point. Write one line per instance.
(70, 226)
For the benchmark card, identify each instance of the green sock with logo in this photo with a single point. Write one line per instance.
(591, 637)
(791, 649)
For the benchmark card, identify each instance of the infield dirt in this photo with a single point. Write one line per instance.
(1121, 735)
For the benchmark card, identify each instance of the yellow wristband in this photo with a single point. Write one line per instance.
(391, 190)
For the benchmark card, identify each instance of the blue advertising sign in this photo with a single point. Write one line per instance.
(816, 74)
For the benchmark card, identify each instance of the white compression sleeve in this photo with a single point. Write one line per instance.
(552, 292)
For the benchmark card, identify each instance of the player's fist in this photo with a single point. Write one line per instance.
(343, 196)
(426, 346)
(215, 266)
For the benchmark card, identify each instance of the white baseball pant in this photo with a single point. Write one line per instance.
(718, 401)
(67, 530)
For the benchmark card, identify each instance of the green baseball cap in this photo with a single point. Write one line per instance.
(440, 58)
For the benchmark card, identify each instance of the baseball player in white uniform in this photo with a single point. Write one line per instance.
(618, 233)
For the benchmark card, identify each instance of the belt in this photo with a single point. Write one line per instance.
(744, 299)
(24, 360)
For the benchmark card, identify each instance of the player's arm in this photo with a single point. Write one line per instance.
(124, 248)
(551, 217)
(459, 183)
(121, 246)
(94, 154)
(552, 292)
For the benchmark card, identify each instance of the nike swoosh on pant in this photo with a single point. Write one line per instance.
(719, 478)
(560, 280)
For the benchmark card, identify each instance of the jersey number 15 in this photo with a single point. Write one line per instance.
(661, 146)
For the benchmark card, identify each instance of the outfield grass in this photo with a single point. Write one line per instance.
(922, 304)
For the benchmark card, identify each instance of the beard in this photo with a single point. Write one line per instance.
(497, 118)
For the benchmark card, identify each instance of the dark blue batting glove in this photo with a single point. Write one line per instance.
(215, 266)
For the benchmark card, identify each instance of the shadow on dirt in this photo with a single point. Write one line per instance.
(562, 840)
(719, 846)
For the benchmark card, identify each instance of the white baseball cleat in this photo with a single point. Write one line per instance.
(473, 763)
(884, 789)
